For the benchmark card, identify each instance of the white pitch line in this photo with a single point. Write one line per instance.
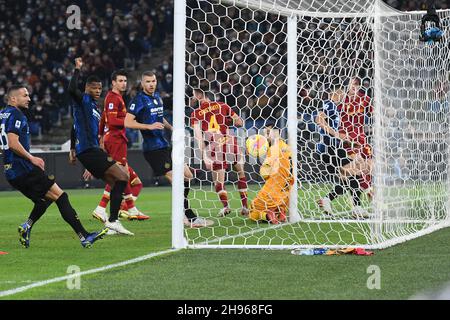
(71, 276)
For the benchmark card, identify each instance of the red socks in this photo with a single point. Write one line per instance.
(242, 187)
(220, 189)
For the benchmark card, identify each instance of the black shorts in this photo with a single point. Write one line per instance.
(160, 161)
(33, 185)
(96, 161)
(335, 158)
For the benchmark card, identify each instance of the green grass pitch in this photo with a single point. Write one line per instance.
(198, 274)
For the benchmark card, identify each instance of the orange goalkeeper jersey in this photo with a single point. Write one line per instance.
(277, 171)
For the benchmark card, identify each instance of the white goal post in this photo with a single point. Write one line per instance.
(286, 62)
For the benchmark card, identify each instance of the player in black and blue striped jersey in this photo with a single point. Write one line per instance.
(87, 148)
(332, 151)
(326, 118)
(146, 113)
(25, 172)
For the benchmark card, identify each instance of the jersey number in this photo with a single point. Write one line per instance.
(3, 138)
(213, 125)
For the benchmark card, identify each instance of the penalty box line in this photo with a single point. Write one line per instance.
(96, 270)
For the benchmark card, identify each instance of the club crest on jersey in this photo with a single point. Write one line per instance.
(18, 123)
(111, 106)
(155, 101)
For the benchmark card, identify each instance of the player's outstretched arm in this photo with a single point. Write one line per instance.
(130, 122)
(321, 121)
(17, 148)
(74, 92)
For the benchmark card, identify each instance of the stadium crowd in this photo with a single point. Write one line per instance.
(246, 69)
(414, 5)
(37, 48)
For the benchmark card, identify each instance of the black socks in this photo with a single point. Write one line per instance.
(39, 209)
(188, 211)
(70, 215)
(116, 199)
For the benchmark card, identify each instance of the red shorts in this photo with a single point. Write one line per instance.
(224, 151)
(117, 150)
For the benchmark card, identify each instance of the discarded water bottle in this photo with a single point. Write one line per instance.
(303, 252)
(319, 251)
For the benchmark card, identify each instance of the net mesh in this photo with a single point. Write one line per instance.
(357, 62)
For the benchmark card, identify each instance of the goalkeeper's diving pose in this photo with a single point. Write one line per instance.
(272, 201)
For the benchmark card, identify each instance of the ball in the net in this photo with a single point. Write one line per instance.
(257, 145)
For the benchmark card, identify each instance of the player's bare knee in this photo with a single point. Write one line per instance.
(54, 192)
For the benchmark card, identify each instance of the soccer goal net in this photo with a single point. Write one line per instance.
(359, 107)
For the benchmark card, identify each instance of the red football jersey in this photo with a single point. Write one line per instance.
(214, 117)
(114, 116)
(353, 113)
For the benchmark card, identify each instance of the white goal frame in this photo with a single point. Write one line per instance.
(178, 138)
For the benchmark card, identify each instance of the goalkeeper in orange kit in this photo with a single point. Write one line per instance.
(272, 201)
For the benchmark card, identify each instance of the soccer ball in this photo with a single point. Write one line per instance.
(257, 145)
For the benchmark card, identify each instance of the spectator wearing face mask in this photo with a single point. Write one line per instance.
(111, 35)
(166, 85)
